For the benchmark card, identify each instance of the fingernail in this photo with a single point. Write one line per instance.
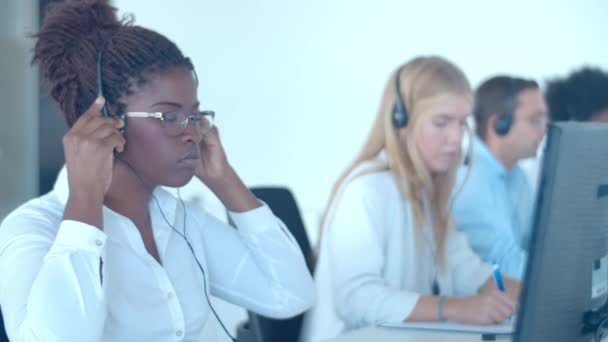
(99, 100)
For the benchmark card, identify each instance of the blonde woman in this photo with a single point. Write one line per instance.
(388, 252)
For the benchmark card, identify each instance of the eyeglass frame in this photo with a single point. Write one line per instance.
(161, 116)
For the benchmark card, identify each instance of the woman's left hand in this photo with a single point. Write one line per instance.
(217, 174)
(214, 164)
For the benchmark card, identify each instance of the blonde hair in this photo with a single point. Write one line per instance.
(423, 81)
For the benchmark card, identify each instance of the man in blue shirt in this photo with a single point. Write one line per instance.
(494, 206)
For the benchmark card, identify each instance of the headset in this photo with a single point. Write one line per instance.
(400, 115)
(105, 112)
(503, 124)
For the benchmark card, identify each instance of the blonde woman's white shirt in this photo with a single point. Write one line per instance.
(374, 264)
(64, 281)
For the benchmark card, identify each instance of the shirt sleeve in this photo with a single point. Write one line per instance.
(50, 289)
(357, 258)
(525, 205)
(467, 271)
(487, 226)
(258, 265)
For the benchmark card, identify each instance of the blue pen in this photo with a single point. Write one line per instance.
(498, 278)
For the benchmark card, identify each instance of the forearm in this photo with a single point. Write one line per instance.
(268, 273)
(85, 208)
(363, 300)
(426, 309)
(452, 308)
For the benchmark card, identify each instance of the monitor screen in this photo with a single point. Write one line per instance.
(567, 271)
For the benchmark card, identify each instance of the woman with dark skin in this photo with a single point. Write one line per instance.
(109, 255)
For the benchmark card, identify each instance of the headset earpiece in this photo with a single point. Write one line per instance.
(400, 116)
(503, 124)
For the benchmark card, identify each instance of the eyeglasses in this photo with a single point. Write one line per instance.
(175, 123)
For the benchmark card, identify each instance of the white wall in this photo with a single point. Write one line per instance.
(19, 104)
(296, 83)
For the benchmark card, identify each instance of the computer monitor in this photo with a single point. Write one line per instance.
(567, 271)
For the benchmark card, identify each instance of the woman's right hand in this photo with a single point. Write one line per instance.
(491, 307)
(88, 148)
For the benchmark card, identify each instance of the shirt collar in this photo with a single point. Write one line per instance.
(166, 201)
(483, 157)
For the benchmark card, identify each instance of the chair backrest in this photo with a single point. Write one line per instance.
(3, 337)
(283, 204)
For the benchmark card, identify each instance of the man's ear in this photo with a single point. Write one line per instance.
(491, 123)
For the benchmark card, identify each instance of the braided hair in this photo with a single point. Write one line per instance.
(73, 36)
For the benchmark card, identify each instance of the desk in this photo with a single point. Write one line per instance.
(379, 334)
(371, 334)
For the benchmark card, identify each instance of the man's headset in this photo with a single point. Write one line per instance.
(400, 115)
(106, 113)
(503, 124)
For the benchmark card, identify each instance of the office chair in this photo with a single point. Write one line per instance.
(263, 329)
(3, 337)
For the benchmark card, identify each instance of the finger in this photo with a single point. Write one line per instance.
(115, 141)
(91, 122)
(96, 106)
(119, 123)
(212, 135)
(504, 312)
(496, 316)
(497, 310)
(502, 303)
(92, 111)
(513, 295)
(99, 121)
(509, 305)
(104, 131)
(214, 130)
(507, 300)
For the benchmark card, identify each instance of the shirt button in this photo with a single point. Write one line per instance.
(170, 295)
(98, 243)
(179, 333)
